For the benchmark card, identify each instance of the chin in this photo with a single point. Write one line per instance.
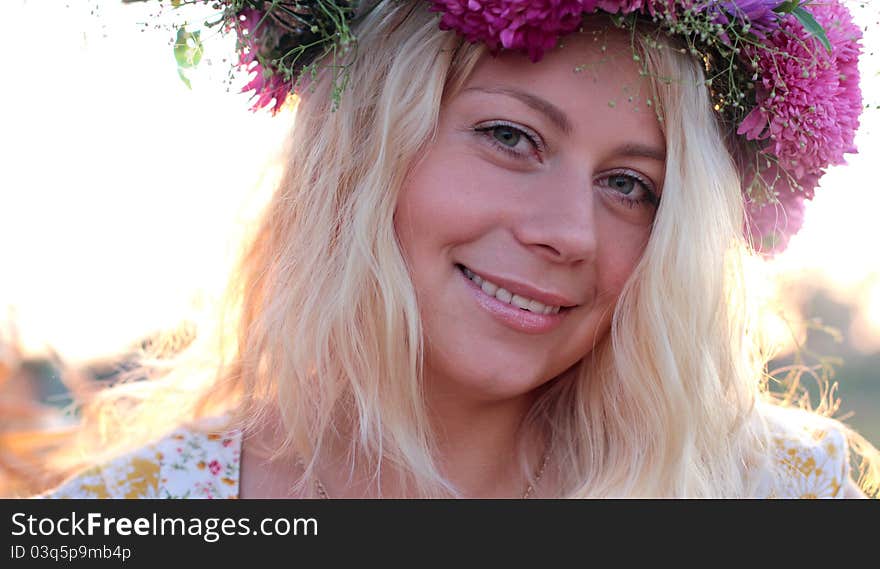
(486, 382)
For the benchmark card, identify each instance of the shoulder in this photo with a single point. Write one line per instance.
(133, 475)
(808, 458)
(196, 461)
(200, 462)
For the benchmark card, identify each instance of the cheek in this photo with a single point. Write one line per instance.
(424, 224)
(442, 203)
(619, 253)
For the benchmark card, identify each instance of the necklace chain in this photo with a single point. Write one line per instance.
(530, 488)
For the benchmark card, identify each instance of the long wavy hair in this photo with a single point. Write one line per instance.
(321, 324)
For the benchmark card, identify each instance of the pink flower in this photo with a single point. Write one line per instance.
(214, 467)
(622, 6)
(248, 21)
(809, 102)
(267, 87)
(267, 84)
(532, 26)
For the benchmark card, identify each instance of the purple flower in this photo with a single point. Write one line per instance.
(758, 14)
(267, 84)
(532, 26)
(622, 6)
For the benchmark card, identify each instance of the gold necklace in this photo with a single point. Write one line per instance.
(322, 492)
(538, 476)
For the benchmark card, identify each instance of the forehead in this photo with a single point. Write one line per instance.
(591, 74)
(595, 46)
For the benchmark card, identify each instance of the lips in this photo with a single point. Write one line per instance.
(535, 319)
(505, 295)
(518, 293)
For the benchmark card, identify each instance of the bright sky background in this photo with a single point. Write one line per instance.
(119, 186)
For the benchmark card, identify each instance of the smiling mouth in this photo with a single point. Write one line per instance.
(504, 295)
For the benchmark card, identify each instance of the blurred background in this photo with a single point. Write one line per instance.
(123, 192)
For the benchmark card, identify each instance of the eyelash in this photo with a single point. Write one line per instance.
(486, 129)
(649, 197)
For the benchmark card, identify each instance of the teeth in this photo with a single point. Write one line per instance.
(518, 300)
(489, 288)
(536, 306)
(504, 295)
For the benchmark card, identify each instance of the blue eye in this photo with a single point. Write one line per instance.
(629, 188)
(623, 184)
(508, 136)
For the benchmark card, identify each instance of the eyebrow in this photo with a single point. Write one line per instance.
(543, 106)
(560, 119)
(641, 151)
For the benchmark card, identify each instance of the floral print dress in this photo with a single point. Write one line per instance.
(809, 460)
(188, 463)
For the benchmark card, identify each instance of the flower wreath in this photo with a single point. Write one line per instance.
(783, 73)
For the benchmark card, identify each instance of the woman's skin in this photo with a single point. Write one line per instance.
(544, 179)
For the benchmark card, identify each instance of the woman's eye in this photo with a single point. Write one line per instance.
(623, 184)
(519, 142)
(630, 188)
(506, 135)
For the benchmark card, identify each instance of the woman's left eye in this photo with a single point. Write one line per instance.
(629, 188)
(623, 184)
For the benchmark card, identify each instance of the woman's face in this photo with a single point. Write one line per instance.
(528, 212)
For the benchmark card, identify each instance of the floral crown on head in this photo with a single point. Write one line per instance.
(783, 73)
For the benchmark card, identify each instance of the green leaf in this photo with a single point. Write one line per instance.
(184, 79)
(187, 48)
(811, 25)
(787, 7)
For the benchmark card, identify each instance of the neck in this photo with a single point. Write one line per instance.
(478, 444)
(477, 448)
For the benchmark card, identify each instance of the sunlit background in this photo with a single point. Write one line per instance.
(122, 192)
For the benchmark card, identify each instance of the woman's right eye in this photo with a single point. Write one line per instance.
(513, 140)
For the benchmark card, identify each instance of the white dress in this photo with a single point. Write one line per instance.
(809, 460)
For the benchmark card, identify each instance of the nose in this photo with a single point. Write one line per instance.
(561, 225)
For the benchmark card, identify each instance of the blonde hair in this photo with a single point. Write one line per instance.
(322, 325)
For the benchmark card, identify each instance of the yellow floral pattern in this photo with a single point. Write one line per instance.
(810, 458)
(188, 463)
(806, 461)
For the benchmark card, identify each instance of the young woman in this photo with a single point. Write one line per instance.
(505, 268)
